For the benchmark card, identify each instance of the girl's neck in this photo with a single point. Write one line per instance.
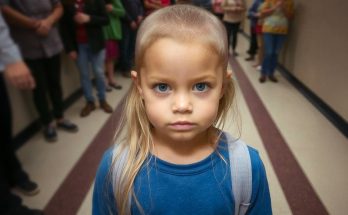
(184, 152)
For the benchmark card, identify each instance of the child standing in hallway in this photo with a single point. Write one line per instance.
(171, 156)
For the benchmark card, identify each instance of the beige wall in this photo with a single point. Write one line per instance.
(316, 51)
(23, 110)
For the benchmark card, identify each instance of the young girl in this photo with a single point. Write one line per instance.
(172, 157)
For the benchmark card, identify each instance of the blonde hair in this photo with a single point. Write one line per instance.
(134, 143)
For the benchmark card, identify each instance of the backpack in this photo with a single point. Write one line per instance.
(241, 174)
(240, 168)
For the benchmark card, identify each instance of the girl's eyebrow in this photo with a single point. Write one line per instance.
(166, 77)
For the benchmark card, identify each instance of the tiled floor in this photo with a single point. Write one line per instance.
(319, 148)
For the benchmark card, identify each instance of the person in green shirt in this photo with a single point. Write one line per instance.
(112, 33)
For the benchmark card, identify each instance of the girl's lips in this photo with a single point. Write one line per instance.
(182, 126)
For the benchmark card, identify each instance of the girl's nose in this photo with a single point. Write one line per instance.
(182, 104)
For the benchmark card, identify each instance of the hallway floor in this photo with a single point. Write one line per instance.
(304, 154)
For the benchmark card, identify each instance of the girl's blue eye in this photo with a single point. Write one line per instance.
(161, 87)
(200, 87)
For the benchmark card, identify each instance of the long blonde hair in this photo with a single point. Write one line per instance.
(133, 138)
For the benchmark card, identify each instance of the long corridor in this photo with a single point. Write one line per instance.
(305, 156)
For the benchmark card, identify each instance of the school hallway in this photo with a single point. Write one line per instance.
(305, 155)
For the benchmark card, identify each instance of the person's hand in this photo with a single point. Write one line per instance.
(109, 8)
(133, 25)
(81, 18)
(35, 24)
(19, 75)
(279, 3)
(139, 19)
(44, 27)
(73, 55)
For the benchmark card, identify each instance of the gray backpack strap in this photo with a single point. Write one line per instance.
(241, 174)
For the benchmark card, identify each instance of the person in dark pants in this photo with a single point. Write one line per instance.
(234, 11)
(253, 16)
(42, 55)
(130, 23)
(11, 172)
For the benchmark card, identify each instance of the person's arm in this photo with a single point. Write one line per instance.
(152, 4)
(117, 9)
(97, 19)
(288, 10)
(67, 32)
(268, 9)
(45, 25)
(14, 17)
(232, 7)
(16, 72)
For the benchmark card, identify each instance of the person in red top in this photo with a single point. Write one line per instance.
(81, 29)
(152, 5)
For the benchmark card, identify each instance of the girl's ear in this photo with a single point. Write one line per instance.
(136, 82)
(226, 80)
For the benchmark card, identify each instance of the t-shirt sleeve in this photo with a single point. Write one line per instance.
(260, 197)
(103, 199)
(9, 52)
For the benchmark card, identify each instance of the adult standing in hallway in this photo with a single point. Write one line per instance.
(11, 172)
(112, 35)
(130, 24)
(33, 28)
(276, 15)
(82, 32)
(253, 16)
(234, 13)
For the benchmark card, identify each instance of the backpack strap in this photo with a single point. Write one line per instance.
(241, 174)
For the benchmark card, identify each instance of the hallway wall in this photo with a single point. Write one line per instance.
(23, 110)
(317, 50)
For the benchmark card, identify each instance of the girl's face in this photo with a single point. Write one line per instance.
(181, 85)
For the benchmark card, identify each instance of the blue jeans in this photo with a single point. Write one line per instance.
(272, 43)
(86, 56)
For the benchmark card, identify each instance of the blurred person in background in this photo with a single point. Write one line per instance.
(152, 5)
(35, 21)
(11, 172)
(113, 35)
(234, 14)
(82, 33)
(130, 24)
(253, 16)
(276, 15)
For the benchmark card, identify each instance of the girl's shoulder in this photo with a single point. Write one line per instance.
(105, 163)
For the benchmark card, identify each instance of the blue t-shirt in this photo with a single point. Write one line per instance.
(203, 188)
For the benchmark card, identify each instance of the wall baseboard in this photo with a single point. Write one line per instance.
(23, 136)
(338, 121)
